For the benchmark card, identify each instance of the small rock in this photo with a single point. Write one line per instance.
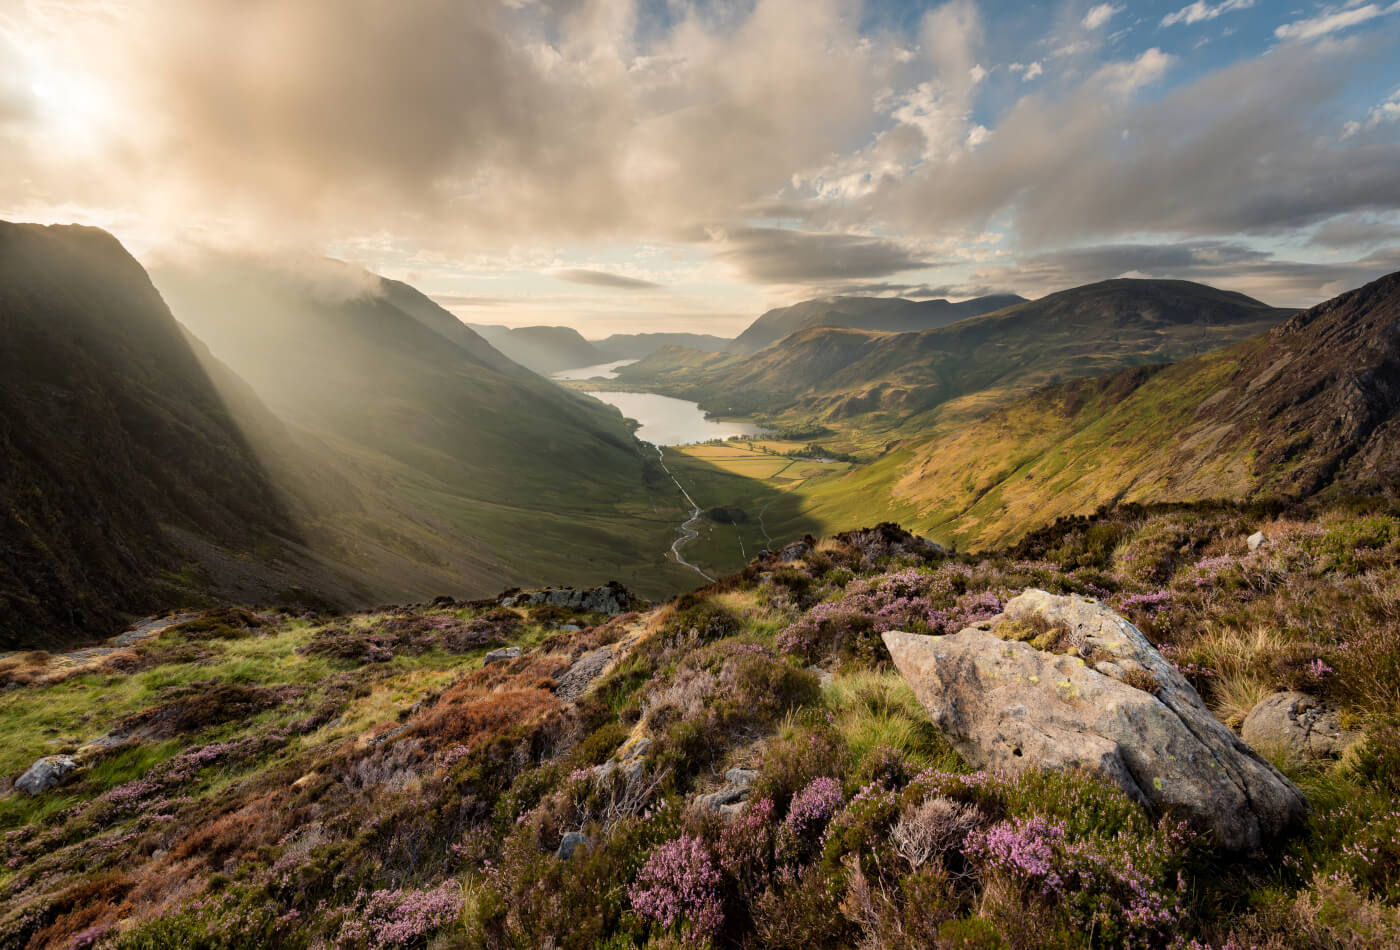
(1298, 723)
(443, 601)
(728, 795)
(795, 551)
(731, 811)
(101, 744)
(502, 655)
(741, 777)
(45, 773)
(573, 841)
(1255, 540)
(570, 628)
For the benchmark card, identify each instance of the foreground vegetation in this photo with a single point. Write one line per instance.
(299, 780)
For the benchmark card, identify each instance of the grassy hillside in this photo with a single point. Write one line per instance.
(1307, 405)
(836, 375)
(494, 475)
(364, 781)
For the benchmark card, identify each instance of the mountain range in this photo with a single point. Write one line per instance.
(892, 314)
(832, 373)
(1311, 406)
(302, 431)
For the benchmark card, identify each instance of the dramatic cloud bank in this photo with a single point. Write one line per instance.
(791, 144)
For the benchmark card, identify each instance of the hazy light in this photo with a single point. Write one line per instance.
(70, 109)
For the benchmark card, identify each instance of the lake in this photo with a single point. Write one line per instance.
(669, 421)
(596, 371)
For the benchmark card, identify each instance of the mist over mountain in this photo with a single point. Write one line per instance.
(892, 314)
(310, 432)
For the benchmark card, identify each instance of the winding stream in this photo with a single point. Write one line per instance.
(665, 420)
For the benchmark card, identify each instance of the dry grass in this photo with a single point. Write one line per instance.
(1232, 652)
(1233, 695)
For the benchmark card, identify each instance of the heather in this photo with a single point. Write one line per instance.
(287, 778)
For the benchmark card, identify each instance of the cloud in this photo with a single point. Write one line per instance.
(1240, 150)
(783, 256)
(475, 129)
(464, 124)
(1357, 230)
(1387, 111)
(1224, 264)
(1099, 15)
(1200, 11)
(1333, 21)
(597, 278)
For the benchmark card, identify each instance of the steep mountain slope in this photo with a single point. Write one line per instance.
(838, 373)
(635, 346)
(544, 350)
(115, 444)
(1313, 404)
(427, 312)
(893, 314)
(547, 486)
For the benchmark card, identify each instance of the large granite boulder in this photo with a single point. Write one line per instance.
(1299, 724)
(1064, 682)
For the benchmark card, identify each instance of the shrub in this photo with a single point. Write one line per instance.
(1126, 890)
(399, 918)
(800, 834)
(678, 887)
(932, 828)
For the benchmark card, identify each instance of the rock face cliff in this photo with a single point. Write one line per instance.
(1064, 682)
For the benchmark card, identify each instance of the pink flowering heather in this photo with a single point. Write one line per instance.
(400, 918)
(745, 847)
(812, 808)
(1120, 888)
(679, 886)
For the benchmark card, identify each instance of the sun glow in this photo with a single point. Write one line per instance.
(71, 109)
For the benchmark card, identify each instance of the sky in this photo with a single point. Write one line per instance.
(635, 165)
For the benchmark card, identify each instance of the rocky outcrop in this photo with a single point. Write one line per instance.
(1298, 724)
(503, 655)
(1064, 682)
(611, 598)
(573, 682)
(46, 773)
(890, 540)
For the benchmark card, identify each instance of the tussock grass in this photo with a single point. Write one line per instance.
(876, 711)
